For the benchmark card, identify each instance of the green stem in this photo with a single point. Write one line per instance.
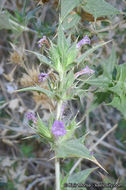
(57, 173)
(58, 110)
(57, 160)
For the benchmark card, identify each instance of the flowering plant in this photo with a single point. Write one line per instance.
(69, 75)
(65, 58)
(62, 59)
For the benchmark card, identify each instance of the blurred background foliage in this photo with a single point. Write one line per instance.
(24, 162)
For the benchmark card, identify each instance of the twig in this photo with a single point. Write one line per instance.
(111, 27)
(17, 129)
(111, 147)
(103, 137)
(38, 180)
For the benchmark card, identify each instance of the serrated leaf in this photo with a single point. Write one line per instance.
(73, 148)
(120, 104)
(67, 7)
(119, 90)
(100, 8)
(120, 87)
(79, 178)
(38, 89)
(88, 52)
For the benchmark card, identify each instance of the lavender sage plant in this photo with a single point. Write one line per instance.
(61, 59)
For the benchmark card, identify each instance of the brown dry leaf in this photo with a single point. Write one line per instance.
(31, 78)
(19, 5)
(41, 2)
(16, 58)
(85, 16)
(42, 99)
(18, 55)
(10, 76)
(56, 3)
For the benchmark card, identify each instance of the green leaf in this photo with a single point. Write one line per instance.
(42, 58)
(71, 21)
(88, 52)
(120, 87)
(42, 129)
(99, 98)
(79, 178)
(101, 81)
(120, 132)
(71, 55)
(73, 148)
(100, 8)
(120, 104)
(62, 42)
(67, 7)
(119, 90)
(56, 59)
(68, 80)
(109, 64)
(31, 14)
(38, 89)
(7, 21)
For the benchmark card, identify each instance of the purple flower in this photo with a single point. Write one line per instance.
(42, 41)
(85, 40)
(42, 77)
(31, 117)
(58, 128)
(86, 70)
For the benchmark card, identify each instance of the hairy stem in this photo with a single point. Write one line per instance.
(57, 160)
(57, 173)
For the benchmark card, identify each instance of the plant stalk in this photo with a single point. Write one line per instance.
(57, 173)
(57, 160)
